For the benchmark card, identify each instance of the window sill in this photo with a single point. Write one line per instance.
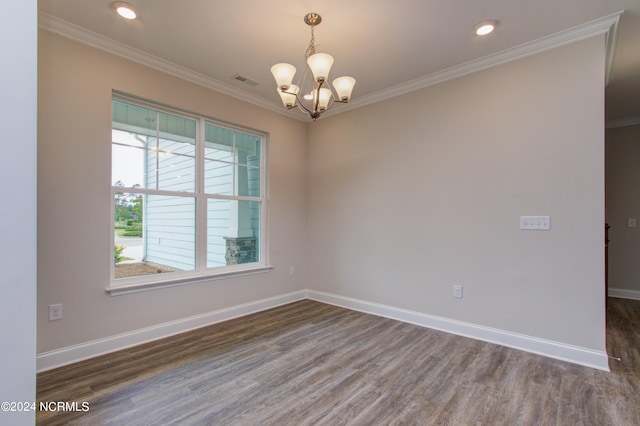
(119, 290)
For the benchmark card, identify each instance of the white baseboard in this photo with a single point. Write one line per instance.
(574, 354)
(624, 293)
(70, 354)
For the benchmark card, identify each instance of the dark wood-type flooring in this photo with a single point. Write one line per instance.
(309, 363)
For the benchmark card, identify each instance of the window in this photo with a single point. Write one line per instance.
(188, 196)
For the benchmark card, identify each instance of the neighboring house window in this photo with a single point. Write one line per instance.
(188, 196)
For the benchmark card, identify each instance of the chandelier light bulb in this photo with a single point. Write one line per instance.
(344, 87)
(283, 73)
(288, 97)
(325, 97)
(320, 64)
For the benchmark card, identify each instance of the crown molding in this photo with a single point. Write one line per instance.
(607, 25)
(82, 35)
(623, 122)
(612, 42)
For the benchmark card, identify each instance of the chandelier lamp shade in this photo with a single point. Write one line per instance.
(311, 95)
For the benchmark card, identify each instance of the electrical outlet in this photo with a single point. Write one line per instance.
(292, 271)
(55, 312)
(457, 291)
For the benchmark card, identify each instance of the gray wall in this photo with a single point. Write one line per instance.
(18, 44)
(74, 125)
(410, 196)
(391, 203)
(623, 202)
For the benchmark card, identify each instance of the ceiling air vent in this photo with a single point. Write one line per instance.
(245, 80)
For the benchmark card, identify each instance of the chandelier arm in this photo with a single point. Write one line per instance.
(303, 108)
(317, 97)
(331, 102)
(299, 103)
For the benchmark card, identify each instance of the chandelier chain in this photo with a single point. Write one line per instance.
(311, 49)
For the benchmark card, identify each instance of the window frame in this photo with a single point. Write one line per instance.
(201, 271)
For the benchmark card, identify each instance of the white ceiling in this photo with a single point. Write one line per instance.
(388, 46)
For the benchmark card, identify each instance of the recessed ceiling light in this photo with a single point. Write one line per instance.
(486, 27)
(125, 10)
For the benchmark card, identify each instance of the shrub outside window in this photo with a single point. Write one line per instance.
(188, 196)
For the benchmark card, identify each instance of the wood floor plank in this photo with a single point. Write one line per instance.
(309, 363)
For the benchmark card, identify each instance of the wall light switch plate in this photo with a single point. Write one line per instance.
(631, 222)
(55, 312)
(457, 291)
(538, 223)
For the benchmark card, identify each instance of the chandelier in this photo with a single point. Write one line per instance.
(316, 99)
